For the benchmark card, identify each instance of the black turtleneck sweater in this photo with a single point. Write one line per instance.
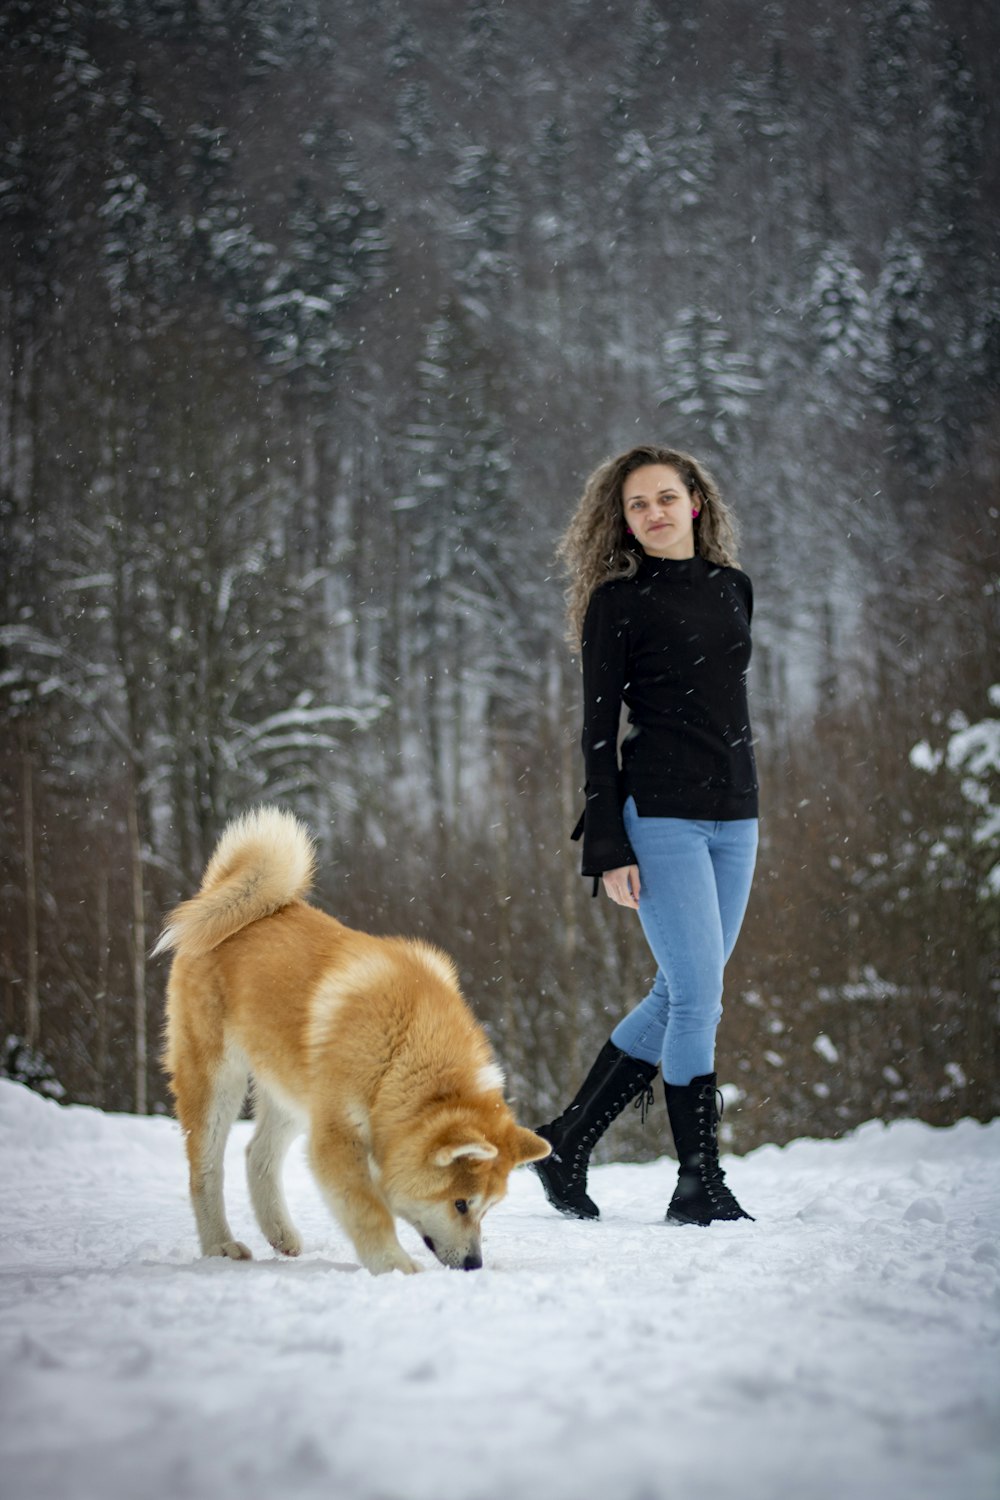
(673, 644)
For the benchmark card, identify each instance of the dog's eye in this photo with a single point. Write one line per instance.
(461, 1205)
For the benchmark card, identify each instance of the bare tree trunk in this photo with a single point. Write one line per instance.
(138, 949)
(507, 1038)
(32, 1018)
(569, 799)
(101, 988)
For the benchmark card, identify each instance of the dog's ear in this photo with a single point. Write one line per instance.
(528, 1146)
(463, 1143)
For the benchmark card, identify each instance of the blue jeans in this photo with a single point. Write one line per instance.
(695, 882)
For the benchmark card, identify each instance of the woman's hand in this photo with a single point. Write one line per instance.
(622, 885)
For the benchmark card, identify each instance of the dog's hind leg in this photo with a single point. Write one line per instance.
(276, 1128)
(207, 1105)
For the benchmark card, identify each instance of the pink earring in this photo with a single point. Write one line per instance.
(630, 531)
(694, 515)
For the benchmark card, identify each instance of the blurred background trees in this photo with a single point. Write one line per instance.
(314, 320)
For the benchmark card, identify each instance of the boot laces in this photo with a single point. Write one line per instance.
(643, 1101)
(709, 1169)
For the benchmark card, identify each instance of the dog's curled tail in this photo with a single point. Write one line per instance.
(263, 861)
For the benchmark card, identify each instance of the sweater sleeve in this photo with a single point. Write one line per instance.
(605, 656)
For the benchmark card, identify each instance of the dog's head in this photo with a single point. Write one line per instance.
(455, 1172)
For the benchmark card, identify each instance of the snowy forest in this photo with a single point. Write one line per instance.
(314, 319)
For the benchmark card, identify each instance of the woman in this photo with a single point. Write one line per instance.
(662, 617)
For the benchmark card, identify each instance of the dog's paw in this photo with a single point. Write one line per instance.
(232, 1250)
(287, 1243)
(393, 1260)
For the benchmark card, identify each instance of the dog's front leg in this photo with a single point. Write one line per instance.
(339, 1159)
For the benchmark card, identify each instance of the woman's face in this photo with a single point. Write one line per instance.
(657, 506)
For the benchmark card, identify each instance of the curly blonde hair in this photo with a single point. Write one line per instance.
(596, 546)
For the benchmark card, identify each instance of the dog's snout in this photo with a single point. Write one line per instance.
(473, 1261)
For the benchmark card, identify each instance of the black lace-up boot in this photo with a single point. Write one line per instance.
(701, 1195)
(612, 1083)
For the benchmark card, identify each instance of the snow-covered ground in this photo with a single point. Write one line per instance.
(845, 1346)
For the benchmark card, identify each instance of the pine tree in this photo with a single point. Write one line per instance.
(404, 48)
(709, 385)
(847, 341)
(414, 118)
(641, 73)
(336, 251)
(142, 266)
(458, 544)
(487, 216)
(960, 261)
(910, 382)
(898, 37)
